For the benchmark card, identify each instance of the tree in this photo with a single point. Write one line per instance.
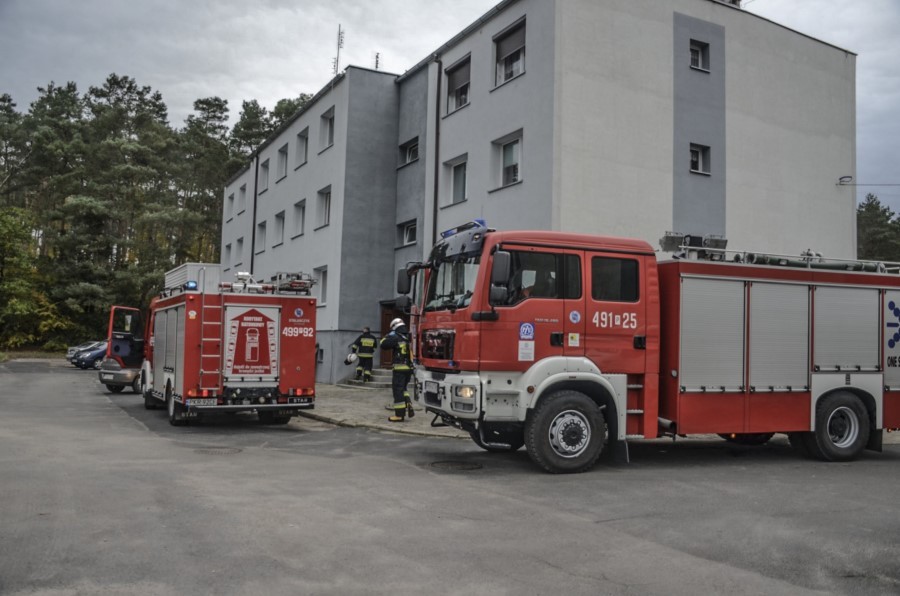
(877, 231)
(253, 127)
(285, 108)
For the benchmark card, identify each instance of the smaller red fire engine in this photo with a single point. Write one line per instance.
(212, 346)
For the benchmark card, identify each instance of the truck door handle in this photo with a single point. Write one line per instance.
(640, 342)
(556, 338)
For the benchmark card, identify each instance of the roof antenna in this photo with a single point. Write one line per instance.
(336, 63)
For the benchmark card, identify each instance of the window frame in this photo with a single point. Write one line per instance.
(403, 233)
(282, 163)
(302, 144)
(621, 296)
(462, 89)
(323, 208)
(278, 239)
(703, 159)
(326, 129)
(299, 206)
(502, 55)
(260, 238)
(263, 176)
(701, 50)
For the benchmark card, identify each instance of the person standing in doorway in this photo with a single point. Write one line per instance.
(364, 348)
(398, 341)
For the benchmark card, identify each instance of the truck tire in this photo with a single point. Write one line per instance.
(565, 433)
(150, 401)
(842, 428)
(514, 439)
(748, 438)
(115, 388)
(176, 410)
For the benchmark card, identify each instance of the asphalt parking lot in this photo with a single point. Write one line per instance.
(99, 495)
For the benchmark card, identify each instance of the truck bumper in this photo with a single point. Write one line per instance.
(122, 377)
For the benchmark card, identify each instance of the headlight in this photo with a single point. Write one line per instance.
(465, 391)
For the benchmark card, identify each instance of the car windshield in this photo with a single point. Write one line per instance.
(451, 284)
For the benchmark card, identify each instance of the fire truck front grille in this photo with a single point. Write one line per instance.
(438, 344)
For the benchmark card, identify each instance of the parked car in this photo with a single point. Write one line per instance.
(117, 378)
(91, 357)
(70, 353)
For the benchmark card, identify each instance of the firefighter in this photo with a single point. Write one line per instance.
(398, 341)
(364, 348)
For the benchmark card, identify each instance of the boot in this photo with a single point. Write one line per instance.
(396, 419)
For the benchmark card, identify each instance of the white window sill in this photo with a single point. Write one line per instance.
(701, 173)
(499, 188)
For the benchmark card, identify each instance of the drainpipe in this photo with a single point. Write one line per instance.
(437, 150)
(253, 220)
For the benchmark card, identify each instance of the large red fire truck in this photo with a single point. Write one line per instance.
(214, 346)
(570, 343)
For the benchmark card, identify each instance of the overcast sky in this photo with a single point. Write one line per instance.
(271, 49)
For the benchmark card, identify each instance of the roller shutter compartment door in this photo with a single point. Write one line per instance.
(712, 335)
(846, 329)
(779, 336)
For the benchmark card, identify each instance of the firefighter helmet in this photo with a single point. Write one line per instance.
(396, 323)
(351, 358)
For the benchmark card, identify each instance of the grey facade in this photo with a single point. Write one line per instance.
(622, 117)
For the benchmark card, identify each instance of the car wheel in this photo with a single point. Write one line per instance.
(96, 364)
(115, 388)
(136, 384)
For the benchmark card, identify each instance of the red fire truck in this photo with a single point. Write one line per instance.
(214, 346)
(570, 344)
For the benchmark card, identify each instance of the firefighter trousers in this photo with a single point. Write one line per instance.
(399, 381)
(364, 368)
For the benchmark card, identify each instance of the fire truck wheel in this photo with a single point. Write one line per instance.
(748, 438)
(514, 439)
(176, 410)
(115, 388)
(842, 428)
(565, 433)
(149, 401)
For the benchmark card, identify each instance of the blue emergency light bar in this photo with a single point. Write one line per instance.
(190, 285)
(475, 223)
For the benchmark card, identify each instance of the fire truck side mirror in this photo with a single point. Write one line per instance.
(402, 303)
(403, 282)
(500, 272)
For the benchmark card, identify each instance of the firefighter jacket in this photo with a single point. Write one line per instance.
(364, 346)
(398, 341)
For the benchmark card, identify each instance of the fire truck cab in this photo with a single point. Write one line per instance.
(570, 344)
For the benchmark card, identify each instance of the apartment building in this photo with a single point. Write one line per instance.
(624, 117)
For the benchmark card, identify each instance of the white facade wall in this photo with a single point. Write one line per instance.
(789, 119)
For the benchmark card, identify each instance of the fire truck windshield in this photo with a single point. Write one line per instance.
(451, 283)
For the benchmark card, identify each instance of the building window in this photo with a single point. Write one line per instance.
(323, 209)
(260, 245)
(302, 147)
(299, 217)
(239, 252)
(614, 280)
(242, 198)
(227, 257)
(459, 182)
(409, 151)
(509, 49)
(278, 238)
(458, 85)
(699, 55)
(326, 130)
(700, 159)
(282, 161)
(407, 233)
(264, 176)
(229, 206)
(321, 276)
(511, 158)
